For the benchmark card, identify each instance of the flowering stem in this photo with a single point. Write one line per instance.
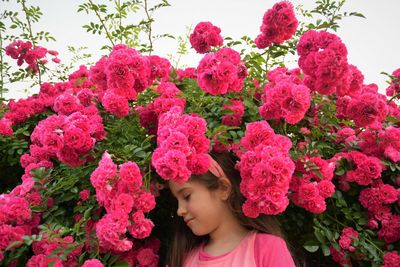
(373, 244)
(31, 36)
(394, 97)
(366, 239)
(1, 68)
(284, 128)
(267, 59)
(120, 20)
(102, 23)
(334, 219)
(29, 23)
(149, 26)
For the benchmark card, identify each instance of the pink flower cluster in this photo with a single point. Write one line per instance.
(346, 136)
(323, 59)
(79, 79)
(266, 170)
(204, 36)
(19, 111)
(236, 112)
(25, 52)
(64, 98)
(182, 146)
(221, 72)
(92, 263)
(67, 137)
(47, 251)
(285, 96)
(312, 183)
(143, 255)
(365, 170)
(347, 237)
(120, 192)
(16, 220)
(340, 256)
(124, 74)
(391, 259)
(376, 200)
(278, 25)
(149, 114)
(394, 87)
(368, 109)
(190, 73)
(381, 143)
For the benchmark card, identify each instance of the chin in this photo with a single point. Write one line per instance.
(199, 232)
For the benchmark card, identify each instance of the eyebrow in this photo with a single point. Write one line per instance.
(180, 190)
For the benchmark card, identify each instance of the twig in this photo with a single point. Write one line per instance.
(31, 37)
(393, 97)
(1, 67)
(102, 23)
(149, 26)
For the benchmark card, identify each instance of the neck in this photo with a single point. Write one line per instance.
(226, 237)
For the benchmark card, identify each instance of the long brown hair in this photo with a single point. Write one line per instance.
(184, 240)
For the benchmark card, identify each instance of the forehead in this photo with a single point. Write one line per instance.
(176, 187)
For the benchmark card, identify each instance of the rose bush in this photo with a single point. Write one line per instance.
(316, 147)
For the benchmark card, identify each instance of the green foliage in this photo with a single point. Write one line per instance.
(126, 140)
(115, 23)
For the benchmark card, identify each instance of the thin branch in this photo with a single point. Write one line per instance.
(31, 37)
(1, 66)
(149, 26)
(102, 22)
(120, 20)
(394, 97)
(29, 22)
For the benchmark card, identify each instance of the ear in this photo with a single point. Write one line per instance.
(225, 187)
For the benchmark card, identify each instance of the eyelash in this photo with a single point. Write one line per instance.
(187, 197)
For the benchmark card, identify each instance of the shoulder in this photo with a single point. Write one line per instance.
(269, 243)
(271, 251)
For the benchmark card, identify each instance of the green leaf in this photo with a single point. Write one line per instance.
(319, 236)
(325, 250)
(311, 246)
(357, 14)
(121, 264)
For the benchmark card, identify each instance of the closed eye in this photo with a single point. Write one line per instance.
(186, 197)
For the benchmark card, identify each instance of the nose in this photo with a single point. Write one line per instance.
(181, 211)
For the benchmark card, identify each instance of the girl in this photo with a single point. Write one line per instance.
(213, 230)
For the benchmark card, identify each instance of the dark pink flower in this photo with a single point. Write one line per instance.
(204, 36)
(279, 24)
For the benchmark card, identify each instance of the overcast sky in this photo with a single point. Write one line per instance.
(372, 43)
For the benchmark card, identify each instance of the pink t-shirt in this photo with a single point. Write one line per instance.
(255, 250)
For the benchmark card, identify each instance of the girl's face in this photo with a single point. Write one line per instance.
(202, 210)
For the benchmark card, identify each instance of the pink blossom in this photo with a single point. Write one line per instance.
(141, 227)
(147, 257)
(10, 234)
(43, 260)
(84, 194)
(66, 104)
(221, 72)
(204, 36)
(279, 24)
(122, 203)
(116, 104)
(159, 67)
(92, 263)
(5, 127)
(367, 109)
(391, 259)
(188, 73)
(110, 231)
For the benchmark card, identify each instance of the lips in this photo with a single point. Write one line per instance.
(188, 220)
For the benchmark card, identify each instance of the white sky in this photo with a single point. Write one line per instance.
(372, 43)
